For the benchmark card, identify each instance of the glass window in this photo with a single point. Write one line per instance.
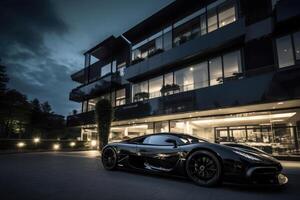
(105, 69)
(114, 66)
(140, 91)
(120, 97)
(158, 43)
(157, 140)
(297, 45)
(168, 40)
(185, 78)
(285, 51)
(201, 75)
(226, 15)
(84, 106)
(232, 64)
(155, 85)
(212, 20)
(215, 71)
(136, 54)
(168, 79)
(203, 29)
(161, 127)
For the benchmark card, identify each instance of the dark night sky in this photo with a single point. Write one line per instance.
(42, 41)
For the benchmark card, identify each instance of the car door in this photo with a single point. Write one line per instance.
(158, 154)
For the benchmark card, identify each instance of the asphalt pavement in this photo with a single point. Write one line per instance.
(80, 175)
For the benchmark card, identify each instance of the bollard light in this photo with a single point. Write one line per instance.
(56, 147)
(93, 143)
(36, 140)
(72, 144)
(20, 144)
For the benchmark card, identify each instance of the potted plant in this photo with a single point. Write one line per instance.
(137, 60)
(183, 39)
(169, 89)
(141, 96)
(104, 115)
(155, 52)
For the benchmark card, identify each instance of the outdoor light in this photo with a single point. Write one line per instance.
(93, 143)
(280, 103)
(21, 144)
(72, 144)
(56, 146)
(36, 140)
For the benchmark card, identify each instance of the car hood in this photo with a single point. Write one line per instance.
(261, 155)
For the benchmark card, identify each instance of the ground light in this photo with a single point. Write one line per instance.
(72, 144)
(20, 144)
(36, 140)
(56, 147)
(93, 143)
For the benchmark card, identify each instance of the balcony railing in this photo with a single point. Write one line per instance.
(95, 88)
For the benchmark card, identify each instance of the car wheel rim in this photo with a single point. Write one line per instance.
(202, 167)
(109, 157)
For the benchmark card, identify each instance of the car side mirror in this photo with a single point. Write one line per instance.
(172, 142)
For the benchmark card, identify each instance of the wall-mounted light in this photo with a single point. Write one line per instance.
(36, 140)
(21, 144)
(56, 147)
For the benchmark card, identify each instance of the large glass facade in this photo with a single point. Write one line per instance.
(191, 77)
(205, 20)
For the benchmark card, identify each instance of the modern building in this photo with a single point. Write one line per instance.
(224, 70)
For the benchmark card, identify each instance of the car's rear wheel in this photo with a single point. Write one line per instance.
(109, 158)
(204, 168)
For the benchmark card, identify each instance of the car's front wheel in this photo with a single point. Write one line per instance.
(109, 158)
(204, 168)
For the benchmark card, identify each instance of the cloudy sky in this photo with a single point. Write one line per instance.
(42, 41)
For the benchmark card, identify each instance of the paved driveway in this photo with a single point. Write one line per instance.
(79, 175)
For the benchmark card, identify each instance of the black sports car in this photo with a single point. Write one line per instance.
(205, 163)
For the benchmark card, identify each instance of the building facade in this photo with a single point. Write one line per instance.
(224, 70)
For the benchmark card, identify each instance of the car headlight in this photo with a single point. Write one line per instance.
(250, 157)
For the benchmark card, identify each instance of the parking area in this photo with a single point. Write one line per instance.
(80, 175)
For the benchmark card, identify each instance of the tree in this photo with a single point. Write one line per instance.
(46, 108)
(104, 115)
(15, 113)
(3, 79)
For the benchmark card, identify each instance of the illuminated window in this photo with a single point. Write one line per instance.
(212, 20)
(226, 15)
(120, 97)
(296, 37)
(285, 51)
(232, 64)
(155, 86)
(215, 71)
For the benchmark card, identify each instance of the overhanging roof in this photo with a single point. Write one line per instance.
(164, 17)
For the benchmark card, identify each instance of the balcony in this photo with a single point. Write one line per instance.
(264, 88)
(96, 88)
(81, 119)
(78, 76)
(222, 37)
(287, 9)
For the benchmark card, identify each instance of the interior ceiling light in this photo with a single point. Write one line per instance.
(247, 118)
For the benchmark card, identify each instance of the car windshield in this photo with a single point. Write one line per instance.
(186, 139)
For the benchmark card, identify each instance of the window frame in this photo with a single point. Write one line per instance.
(295, 60)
